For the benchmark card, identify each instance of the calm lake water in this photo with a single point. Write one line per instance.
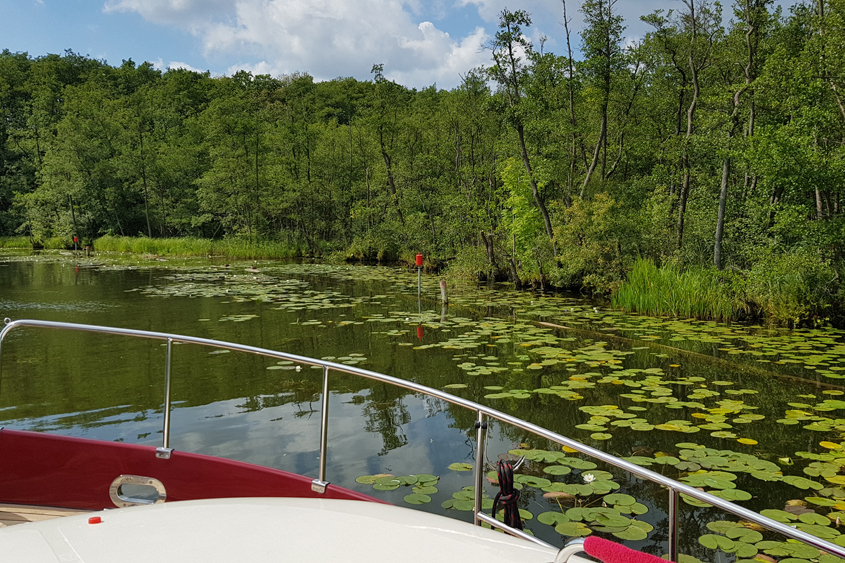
(758, 410)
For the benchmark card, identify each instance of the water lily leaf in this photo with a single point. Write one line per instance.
(744, 535)
(552, 518)
(821, 501)
(417, 498)
(578, 489)
(640, 460)
(694, 502)
(716, 483)
(523, 513)
(819, 531)
(531, 481)
(802, 551)
(766, 476)
(595, 427)
(722, 526)
(813, 518)
(712, 541)
(600, 436)
(778, 516)
(602, 487)
(463, 505)
(612, 520)
(575, 529)
(687, 466)
(745, 550)
(381, 487)
(619, 498)
(576, 463)
(666, 460)
(631, 533)
(732, 494)
(802, 483)
(637, 508)
(429, 490)
(557, 470)
(460, 467)
(689, 446)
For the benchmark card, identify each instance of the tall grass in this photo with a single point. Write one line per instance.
(229, 248)
(15, 242)
(668, 291)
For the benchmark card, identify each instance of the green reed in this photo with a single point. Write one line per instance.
(15, 242)
(228, 248)
(669, 291)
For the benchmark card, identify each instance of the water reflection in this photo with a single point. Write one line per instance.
(251, 409)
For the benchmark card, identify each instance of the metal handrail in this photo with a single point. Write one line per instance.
(483, 413)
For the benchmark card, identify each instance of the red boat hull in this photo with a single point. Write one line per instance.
(49, 470)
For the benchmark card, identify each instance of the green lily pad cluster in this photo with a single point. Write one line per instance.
(810, 522)
(423, 485)
(464, 500)
(748, 544)
(610, 518)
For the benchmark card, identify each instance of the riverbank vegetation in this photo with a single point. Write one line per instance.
(707, 156)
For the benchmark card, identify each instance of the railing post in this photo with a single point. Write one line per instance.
(319, 484)
(674, 500)
(480, 435)
(165, 450)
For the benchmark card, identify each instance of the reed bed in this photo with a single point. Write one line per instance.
(15, 242)
(668, 291)
(229, 248)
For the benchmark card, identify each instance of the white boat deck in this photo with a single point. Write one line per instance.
(264, 531)
(12, 514)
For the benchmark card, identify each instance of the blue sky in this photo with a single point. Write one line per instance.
(420, 42)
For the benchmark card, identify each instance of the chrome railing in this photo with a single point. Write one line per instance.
(483, 413)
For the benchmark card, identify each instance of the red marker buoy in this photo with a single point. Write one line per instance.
(420, 332)
(419, 260)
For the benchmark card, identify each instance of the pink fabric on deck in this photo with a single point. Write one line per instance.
(612, 552)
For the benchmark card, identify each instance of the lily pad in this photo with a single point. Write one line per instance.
(417, 498)
(460, 467)
(573, 529)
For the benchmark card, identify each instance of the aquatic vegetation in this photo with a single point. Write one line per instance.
(15, 242)
(762, 406)
(235, 248)
(697, 293)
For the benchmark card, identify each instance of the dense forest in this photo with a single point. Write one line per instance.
(713, 148)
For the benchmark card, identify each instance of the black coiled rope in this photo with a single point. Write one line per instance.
(507, 496)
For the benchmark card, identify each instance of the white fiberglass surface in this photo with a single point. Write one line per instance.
(263, 530)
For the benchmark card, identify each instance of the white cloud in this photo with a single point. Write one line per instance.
(173, 65)
(262, 67)
(325, 38)
(332, 38)
(158, 64)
